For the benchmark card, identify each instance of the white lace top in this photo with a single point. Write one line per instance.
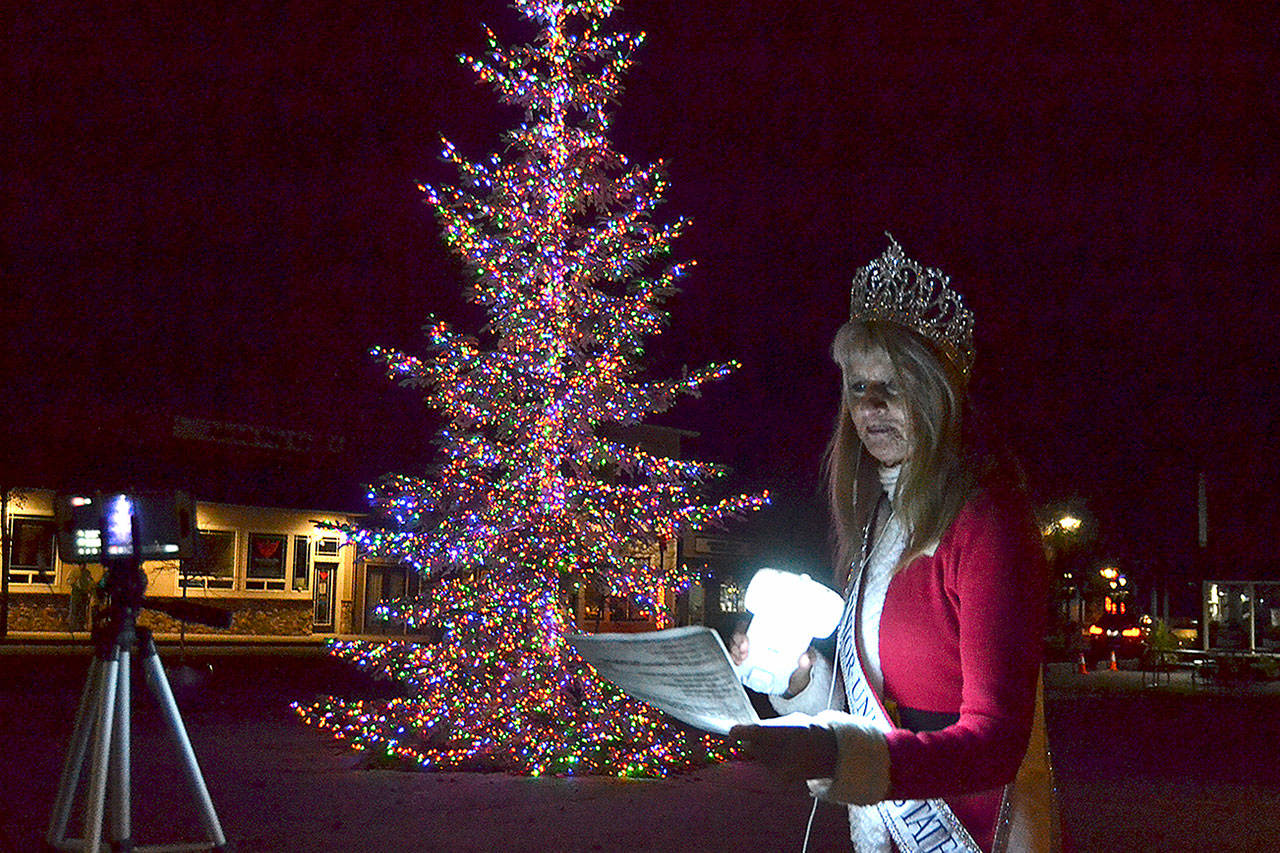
(886, 549)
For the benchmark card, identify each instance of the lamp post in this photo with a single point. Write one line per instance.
(1068, 532)
(1064, 533)
(1115, 589)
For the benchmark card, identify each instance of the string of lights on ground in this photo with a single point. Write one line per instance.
(528, 498)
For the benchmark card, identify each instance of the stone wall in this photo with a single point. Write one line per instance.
(254, 616)
(280, 617)
(43, 612)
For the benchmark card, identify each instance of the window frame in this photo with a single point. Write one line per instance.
(23, 575)
(224, 583)
(264, 583)
(300, 560)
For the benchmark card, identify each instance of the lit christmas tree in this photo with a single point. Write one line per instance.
(531, 497)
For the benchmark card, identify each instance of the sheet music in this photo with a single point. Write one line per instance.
(685, 672)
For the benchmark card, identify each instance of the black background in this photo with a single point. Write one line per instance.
(213, 213)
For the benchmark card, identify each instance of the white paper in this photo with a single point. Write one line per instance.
(685, 672)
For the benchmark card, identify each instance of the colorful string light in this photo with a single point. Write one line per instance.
(528, 498)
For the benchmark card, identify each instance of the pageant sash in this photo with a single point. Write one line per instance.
(916, 826)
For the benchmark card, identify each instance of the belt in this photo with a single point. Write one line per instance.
(916, 720)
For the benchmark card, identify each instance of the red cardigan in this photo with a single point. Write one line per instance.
(962, 632)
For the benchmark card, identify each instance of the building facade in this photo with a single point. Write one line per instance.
(1242, 616)
(286, 573)
(279, 572)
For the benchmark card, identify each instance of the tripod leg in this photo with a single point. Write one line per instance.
(119, 776)
(159, 685)
(86, 716)
(95, 797)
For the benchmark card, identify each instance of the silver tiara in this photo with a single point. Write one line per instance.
(896, 289)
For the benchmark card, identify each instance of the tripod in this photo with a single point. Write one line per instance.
(104, 716)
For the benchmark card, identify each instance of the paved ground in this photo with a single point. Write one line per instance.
(1176, 769)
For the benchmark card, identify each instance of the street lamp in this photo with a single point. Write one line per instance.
(1116, 600)
(1068, 529)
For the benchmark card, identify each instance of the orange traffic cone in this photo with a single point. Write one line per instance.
(1082, 666)
(1112, 666)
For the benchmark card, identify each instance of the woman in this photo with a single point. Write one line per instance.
(939, 740)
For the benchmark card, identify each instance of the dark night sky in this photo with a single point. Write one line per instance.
(213, 213)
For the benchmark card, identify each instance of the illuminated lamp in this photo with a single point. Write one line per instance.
(789, 611)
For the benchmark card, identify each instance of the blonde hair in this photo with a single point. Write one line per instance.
(939, 473)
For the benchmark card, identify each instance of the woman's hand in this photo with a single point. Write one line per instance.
(800, 676)
(792, 752)
(739, 647)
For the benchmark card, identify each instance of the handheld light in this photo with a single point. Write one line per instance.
(789, 611)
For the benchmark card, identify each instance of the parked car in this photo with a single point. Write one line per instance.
(1122, 633)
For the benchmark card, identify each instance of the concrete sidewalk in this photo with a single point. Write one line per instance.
(279, 786)
(1064, 678)
(1138, 769)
